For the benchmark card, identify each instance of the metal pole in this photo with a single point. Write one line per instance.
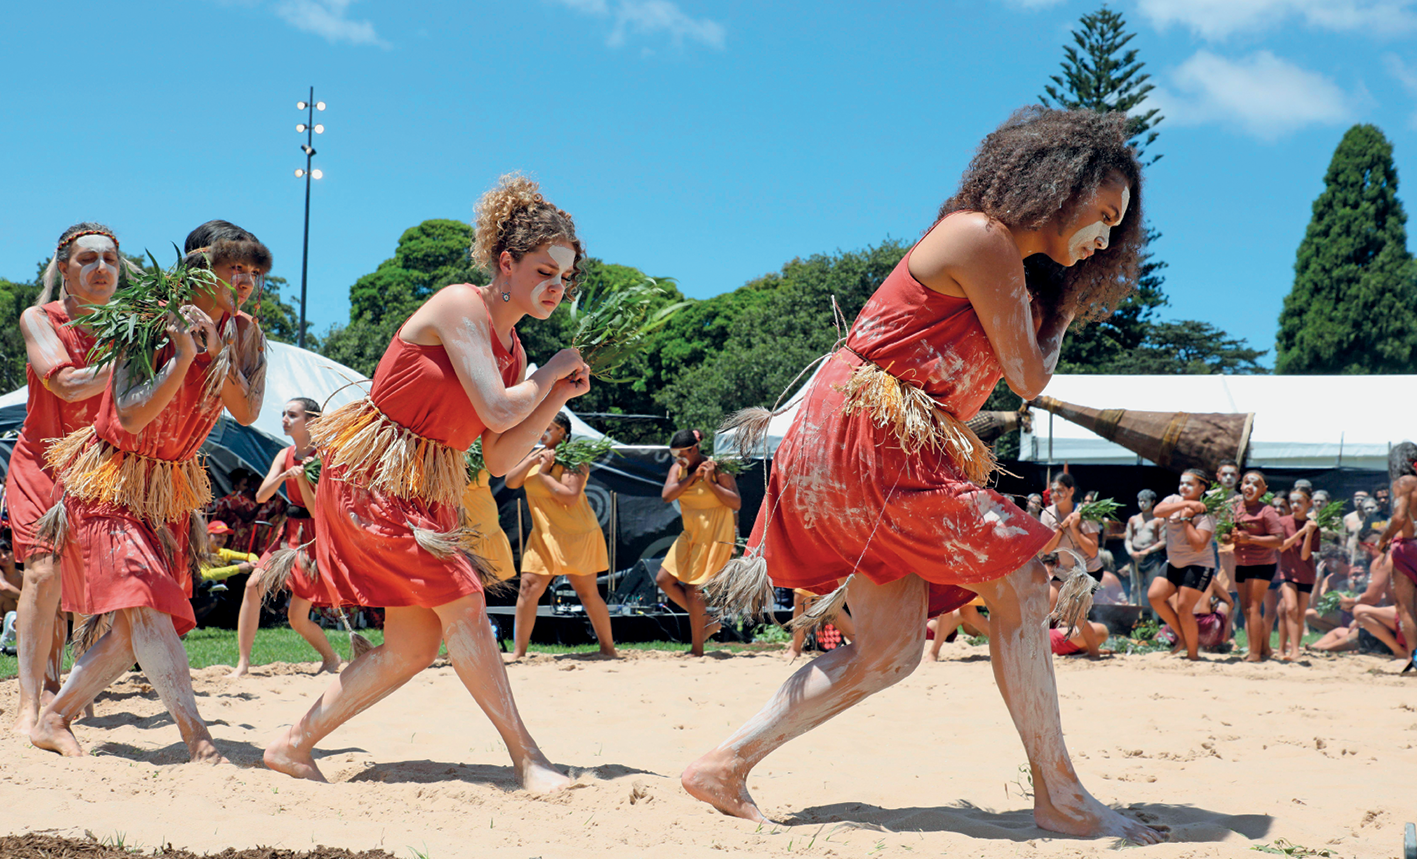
(305, 250)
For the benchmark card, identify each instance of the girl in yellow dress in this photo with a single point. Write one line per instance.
(566, 539)
(708, 499)
(482, 516)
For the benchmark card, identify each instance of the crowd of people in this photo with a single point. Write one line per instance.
(1276, 574)
(878, 503)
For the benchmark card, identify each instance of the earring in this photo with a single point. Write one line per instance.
(506, 294)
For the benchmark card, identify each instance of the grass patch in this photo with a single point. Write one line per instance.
(212, 646)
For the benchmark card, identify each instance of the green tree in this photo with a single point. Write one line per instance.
(1353, 307)
(428, 257)
(279, 318)
(1187, 348)
(1101, 73)
(780, 324)
(14, 298)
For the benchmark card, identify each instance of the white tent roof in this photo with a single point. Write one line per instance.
(779, 425)
(1317, 421)
(292, 372)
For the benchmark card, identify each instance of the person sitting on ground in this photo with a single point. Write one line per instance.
(1397, 539)
(1335, 574)
(1089, 636)
(802, 600)
(229, 562)
(945, 626)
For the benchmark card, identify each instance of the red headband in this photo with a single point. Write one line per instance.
(83, 233)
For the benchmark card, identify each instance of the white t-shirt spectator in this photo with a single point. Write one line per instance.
(1051, 518)
(1178, 549)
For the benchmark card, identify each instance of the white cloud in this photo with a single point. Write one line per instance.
(1263, 95)
(1218, 19)
(327, 18)
(650, 18)
(1406, 76)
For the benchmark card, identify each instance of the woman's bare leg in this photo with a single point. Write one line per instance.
(35, 627)
(529, 594)
(1380, 622)
(942, 626)
(100, 665)
(1186, 600)
(248, 619)
(1023, 668)
(478, 663)
(411, 638)
(973, 622)
(1252, 593)
(890, 620)
(299, 616)
(595, 609)
(159, 652)
(698, 619)
(672, 588)
(799, 635)
(1159, 595)
(1405, 598)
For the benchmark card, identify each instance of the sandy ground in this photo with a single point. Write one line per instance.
(1228, 756)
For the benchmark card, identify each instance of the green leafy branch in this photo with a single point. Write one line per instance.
(609, 326)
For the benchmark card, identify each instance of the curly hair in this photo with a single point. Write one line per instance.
(514, 217)
(1033, 171)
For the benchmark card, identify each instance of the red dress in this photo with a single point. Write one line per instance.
(132, 557)
(365, 543)
(29, 485)
(299, 530)
(845, 497)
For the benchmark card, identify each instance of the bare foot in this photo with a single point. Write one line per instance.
(1253, 658)
(1091, 820)
(241, 670)
(609, 652)
(540, 777)
(204, 752)
(52, 732)
(284, 758)
(24, 724)
(330, 667)
(712, 628)
(793, 655)
(714, 780)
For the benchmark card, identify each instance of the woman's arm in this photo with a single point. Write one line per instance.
(456, 319)
(977, 255)
(1084, 538)
(724, 487)
(1051, 521)
(1197, 538)
(675, 486)
(46, 352)
(566, 490)
(275, 476)
(516, 476)
(503, 451)
(1307, 550)
(139, 405)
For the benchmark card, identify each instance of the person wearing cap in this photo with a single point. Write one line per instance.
(708, 501)
(236, 563)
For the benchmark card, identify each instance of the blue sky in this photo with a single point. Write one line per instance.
(707, 141)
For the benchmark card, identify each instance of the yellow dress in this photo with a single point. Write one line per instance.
(565, 541)
(482, 517)
(707, 542)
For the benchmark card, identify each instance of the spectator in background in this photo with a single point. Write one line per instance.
(10, 578)
(1034, 506)
(1380, 495)
(238, 509)
(1146, 545)
(1352, 524)
(1256, 538)
(1298, 571)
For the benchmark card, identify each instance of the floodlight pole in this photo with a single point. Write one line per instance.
(305, 248)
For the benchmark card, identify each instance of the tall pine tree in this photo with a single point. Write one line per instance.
(1100, 73)
(1353, 308)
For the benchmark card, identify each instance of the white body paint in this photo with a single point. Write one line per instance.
(106, 261)
(1094, 236)
(565, 260)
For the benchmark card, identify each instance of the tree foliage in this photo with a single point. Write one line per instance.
(1099, 72)
(14, 298)
(1353, 307)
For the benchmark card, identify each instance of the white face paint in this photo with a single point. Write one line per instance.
(1095, 236)
(97, 261)
(565, 259)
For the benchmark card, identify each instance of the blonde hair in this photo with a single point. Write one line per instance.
(514, 217)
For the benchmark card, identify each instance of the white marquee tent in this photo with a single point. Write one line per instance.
(1303, 421)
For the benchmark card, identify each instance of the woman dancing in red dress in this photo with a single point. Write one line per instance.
(63, 396)
(880, 462)
(391, 486)
(133, 488)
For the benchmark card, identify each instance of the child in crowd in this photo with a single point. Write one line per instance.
(1256, 538)
(1190, 564)
(1298, 557)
